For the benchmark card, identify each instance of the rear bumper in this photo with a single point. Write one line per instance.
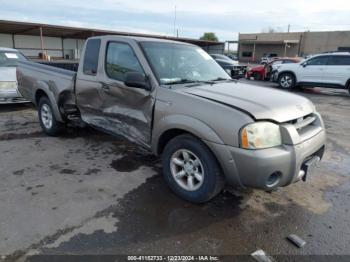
(11, 96)
(236, 72)
(254, 168)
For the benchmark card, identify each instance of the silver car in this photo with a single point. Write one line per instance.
(8, 81)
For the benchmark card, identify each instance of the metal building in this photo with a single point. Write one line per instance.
(62, 42)
(253, 46)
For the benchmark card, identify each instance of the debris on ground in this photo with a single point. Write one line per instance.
(296, 240)
(261, 256)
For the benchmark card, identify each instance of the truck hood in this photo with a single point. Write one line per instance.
(261, 103)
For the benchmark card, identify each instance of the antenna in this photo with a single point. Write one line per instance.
(175, 21)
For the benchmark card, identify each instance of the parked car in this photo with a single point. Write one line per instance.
(8, 82)
(173, 99)
(267, 58)
(233, 57)
(324, 70)
(263, 72)
(232, 67)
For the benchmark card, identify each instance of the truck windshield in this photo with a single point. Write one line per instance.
(10, 58)
(180, 63)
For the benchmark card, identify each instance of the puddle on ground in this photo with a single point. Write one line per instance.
(130, 163)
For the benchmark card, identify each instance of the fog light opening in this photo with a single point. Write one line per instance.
(273, 179)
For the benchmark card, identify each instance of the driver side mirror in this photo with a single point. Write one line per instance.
(137, 80)
(304, 64)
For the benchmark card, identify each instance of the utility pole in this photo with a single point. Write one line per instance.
(175, 21)
(288, 28)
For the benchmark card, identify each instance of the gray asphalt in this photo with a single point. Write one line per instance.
(90, 193)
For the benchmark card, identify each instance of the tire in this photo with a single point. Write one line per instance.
(257, 76)
(286, 81)
(47, 119)
(199, 162)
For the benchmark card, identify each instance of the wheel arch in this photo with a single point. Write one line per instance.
(41, 91)
(288, 72)
(175, 125)
(347, 85)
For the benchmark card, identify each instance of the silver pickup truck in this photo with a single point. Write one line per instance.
(175, 100)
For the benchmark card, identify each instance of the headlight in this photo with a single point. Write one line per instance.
(260, 135)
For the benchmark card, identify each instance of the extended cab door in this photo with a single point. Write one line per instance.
(338, 70)
(107, 102)
(312, 70)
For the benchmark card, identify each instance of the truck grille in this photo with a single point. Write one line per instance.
(303, 122)
(307, 126)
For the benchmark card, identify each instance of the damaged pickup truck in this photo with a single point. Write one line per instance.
(175, 100)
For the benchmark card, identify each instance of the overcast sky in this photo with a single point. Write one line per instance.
(225, 18)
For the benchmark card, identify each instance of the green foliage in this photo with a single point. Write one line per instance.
(209, 36)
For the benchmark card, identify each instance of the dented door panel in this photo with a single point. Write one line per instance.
(110, 105)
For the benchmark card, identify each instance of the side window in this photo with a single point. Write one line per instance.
(121, 59)
(277, 62)
(322, 60)
(247, 54)
(91, 56)
(339, 60)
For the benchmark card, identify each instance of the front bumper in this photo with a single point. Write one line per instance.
(254, 168)
(274, 76)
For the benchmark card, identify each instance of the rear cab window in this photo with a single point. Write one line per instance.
(91, 57)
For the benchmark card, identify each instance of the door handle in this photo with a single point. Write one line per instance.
(104, 86)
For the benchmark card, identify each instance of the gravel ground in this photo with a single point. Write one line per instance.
(90, 193)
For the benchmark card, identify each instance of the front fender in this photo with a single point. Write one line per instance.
(206, 134)
(185, 123)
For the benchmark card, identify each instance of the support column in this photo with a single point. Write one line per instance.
(285, 49)
(13, 42)
(254, 49)
(42, 42)
(62, 45)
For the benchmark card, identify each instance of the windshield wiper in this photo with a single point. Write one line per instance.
(187, 81)
(220, 79)
(180, 81)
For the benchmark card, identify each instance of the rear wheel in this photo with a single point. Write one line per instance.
(191, 170)
(286, 81)
(47, 118)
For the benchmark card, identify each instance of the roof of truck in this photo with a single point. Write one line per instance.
(141, 39)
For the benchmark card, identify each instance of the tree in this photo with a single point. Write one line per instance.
(272, 30)
(209, 36)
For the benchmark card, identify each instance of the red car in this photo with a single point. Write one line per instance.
(263, 72)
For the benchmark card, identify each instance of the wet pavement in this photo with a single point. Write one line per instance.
(90, 193)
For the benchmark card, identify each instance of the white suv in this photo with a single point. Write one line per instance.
(325, 70)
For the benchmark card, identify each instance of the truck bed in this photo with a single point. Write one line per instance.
(58, 84)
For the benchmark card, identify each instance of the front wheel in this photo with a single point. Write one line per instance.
(286, 81)
(191, 170)
(47, 118)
